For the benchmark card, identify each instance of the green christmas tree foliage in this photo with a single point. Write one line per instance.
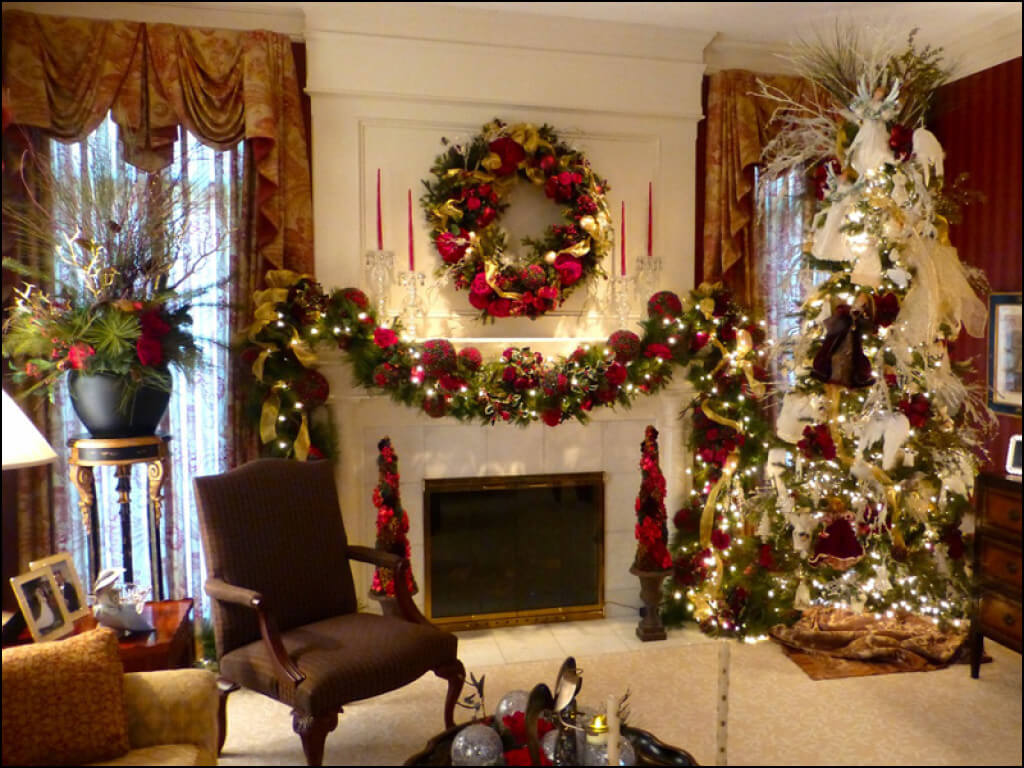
(879, 437)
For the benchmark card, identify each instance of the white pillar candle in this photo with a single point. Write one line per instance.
(613, 731)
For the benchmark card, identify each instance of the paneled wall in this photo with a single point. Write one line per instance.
(978, 121)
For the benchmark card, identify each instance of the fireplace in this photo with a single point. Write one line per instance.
(514, 549)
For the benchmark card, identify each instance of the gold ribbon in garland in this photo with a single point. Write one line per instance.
(268, 418)
(707, 518)
(302, 441)
(719, 419)
(491, 270)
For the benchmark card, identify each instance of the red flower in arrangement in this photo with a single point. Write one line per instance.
(817, 441)
(480, 286)
(651, 531)
(384, 337)
(546, 163)
(487, 215)
(720, 539)
(356, 296)
(616, 374)
(901, 141)
(449, 383)
(551, 416)
(916, 409)
(153, 324)
(500, 308)
(79, 352)
(438, 357)
(569, 268)
(148, 348)
(312, 388)
(510, 152)
(516, 725)
(452, 247)
(658, 350)
(664, 304)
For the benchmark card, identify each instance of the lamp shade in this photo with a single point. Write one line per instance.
(23, 445)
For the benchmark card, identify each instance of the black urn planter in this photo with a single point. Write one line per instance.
(98, 400)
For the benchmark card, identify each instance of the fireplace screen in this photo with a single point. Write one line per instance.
(514, 550)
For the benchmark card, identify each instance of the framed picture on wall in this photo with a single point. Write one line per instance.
(1004, 353)
(68, 583)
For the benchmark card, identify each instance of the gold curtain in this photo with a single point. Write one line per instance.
(738, 127)
(64, 74)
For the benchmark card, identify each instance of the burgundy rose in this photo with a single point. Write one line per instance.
(473, 203)
(312, 388)
(356, 296)
(658, 350)
(616, 374)
(720, 539)
(384, 337)
(901, 141)
(486, 216)
(480, 286)
(569, 268)
(500, 308)
(548, 293)
(153, 324)
(664, 304)
(479, 301)
(451, 247)
(510, 152)
(471, 358)
(148, 349)
(547, 163)
(451, 383)
(551, 416)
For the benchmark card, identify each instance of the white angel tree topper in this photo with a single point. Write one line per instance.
(883, 438)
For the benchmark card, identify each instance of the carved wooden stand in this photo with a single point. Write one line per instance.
(650, 626)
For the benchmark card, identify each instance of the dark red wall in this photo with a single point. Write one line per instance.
(978, 121)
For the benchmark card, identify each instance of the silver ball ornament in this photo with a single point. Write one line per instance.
(477, 744)
(510, 703)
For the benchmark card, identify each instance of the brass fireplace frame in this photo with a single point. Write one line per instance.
(526, 616)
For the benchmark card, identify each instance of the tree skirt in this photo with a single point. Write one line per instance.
(829, 643)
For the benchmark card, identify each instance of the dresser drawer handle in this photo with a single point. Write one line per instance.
(1009, 619)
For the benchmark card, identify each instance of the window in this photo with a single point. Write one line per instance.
(197, 416)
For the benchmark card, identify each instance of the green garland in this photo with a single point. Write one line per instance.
(295, 316)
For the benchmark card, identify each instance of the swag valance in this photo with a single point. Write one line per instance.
(64, 75)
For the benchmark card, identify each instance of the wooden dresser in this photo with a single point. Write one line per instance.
(997, 565)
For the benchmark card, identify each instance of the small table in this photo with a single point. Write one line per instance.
(86, 453)
(170, 645)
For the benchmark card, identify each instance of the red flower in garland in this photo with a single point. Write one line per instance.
(569, 268)
(452, 247)
(384, 337)
(658, 350)
(625, 345)
(616, 374)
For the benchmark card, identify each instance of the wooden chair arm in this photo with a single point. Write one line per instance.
(398, 565)
(284, 668)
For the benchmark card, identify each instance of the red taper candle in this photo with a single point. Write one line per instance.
(622, 243)
(412, 260)
(380, 231)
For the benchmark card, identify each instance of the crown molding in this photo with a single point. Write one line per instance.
(984, 47)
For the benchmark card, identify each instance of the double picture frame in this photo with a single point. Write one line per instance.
(50, 596)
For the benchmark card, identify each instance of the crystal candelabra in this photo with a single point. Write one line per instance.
(622, 287)
(413, 315)
(379, 267)
(649, 274)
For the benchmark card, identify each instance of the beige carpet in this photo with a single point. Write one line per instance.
(778, 716)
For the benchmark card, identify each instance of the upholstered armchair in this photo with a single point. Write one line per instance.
(286, 619)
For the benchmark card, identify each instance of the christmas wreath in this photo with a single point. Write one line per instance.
(466, 199)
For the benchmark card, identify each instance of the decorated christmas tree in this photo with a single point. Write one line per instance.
(392, 521)
(879, 437)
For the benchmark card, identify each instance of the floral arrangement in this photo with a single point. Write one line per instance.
(392, 521)
(651, 530)
(464, 203)
(124, 245)
(294, 316)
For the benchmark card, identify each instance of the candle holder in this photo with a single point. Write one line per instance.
(622, 287)
(379, 267)
(413, 315)
(648, 276)
(593, 305)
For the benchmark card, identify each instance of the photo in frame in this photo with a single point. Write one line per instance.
(69, 585)
(1004, 353)
(41, 605)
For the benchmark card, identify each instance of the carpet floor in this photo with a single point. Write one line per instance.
(777, 715)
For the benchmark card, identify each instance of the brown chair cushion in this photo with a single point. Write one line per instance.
(345, 658)
(63, 702)
(274, 526)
